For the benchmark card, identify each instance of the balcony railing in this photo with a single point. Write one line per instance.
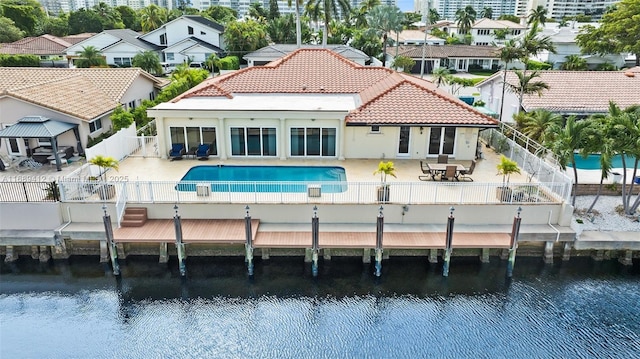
(315, 192)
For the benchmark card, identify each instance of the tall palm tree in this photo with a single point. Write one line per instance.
(566, 142)
(465, 17)
(152, 17)
(382, 19)
(510, 52)
(298, 27)
(537, 124)
(537, 16)
(360, 14)
(574, 63)
(527, 86)
(148, 61)
(597, 140)
(90, 56)
(625, 129)
(330, 9)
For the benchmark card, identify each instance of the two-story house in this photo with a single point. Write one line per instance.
(187, 38)
(487, 32)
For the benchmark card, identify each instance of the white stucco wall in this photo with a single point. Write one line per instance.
(491, 94)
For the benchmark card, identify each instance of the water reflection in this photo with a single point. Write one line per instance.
(78, 309)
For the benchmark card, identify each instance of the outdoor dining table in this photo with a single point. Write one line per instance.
(441, 168)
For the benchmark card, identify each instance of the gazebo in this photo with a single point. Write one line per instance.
(43, 127)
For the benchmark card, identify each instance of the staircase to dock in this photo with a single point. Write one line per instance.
(134, 217)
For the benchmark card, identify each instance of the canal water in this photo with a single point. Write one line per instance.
(77, 309)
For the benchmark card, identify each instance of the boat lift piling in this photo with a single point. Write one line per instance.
(315, 227)
(248, 246)
(111, 244)
(449, 240)
(513, 245)
(179, 244)
(379, 233)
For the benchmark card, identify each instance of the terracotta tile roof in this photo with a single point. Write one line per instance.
(40, 45)
(485, 23)
(74, 39)
(386, 96)
(445, 51)
(82, 93)
(580, 91)
(413, 101)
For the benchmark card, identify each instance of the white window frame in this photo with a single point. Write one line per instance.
(96, 124)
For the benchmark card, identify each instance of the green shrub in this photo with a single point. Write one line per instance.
(19, 61)
(537, 65)
(230, 63)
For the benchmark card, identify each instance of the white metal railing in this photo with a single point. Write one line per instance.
(121, 203)
(144, 146)
(329, 192)
(532, 157)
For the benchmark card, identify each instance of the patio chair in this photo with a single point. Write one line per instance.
(177, 151)
(466, 172)
(203, 152)
(451, 173)
(427, 171)
(443, 158)
(22, 163)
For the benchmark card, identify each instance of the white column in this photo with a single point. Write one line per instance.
(283, 138)
(162, 140)
(340, 134)
(221, 138)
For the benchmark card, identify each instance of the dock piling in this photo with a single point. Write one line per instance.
(449, 239)
(314, 241)
(111, 245)
(379, 234)
(513, 245)
(179, 244)
(248, 246)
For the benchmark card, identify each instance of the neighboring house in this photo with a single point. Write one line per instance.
(484, 30)
(274, 52)
(580, 93)
(414, 37)
(335, 109)
(564, 40)
(85, 97)
(456, 57)
(118, 47)
(50, 49)
(187, 38)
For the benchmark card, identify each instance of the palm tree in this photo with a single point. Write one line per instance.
(574, 63)
(382, 19)
(487, 13)
(465, 19)
(213, 62)
(148, 61)
(152, 17)
(625, 129)
(298, 27)
(329, 9)
(539, 124)
(527, 86)
(597, 140)
(508, 53)
(440, 76)
(90, 56)
(105, 163)
(537, 16)
(360, 15)
(566, 142)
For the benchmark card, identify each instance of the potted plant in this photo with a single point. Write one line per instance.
(506, 168)
(384, 169)
(106, 191)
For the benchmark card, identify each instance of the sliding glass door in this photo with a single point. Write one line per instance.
(313, 141)
(253, 141)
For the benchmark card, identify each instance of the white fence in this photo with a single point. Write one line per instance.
(118, 146)
(532, 157)
(316, 192)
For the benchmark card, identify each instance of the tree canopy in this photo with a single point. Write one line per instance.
(619, 32)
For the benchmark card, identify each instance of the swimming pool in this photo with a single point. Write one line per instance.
(332, 179)
(592, 162)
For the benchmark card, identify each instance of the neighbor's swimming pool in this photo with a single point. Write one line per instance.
(592, 162)
(265, 178)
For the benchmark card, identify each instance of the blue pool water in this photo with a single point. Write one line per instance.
(265, 178)
(592, 162)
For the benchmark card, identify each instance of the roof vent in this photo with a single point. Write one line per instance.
(629, 74)
(304, 87)
(321, 88)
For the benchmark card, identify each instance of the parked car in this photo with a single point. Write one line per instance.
(197, 65)
(167, 68)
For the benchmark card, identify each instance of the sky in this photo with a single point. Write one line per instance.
(405, 5)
